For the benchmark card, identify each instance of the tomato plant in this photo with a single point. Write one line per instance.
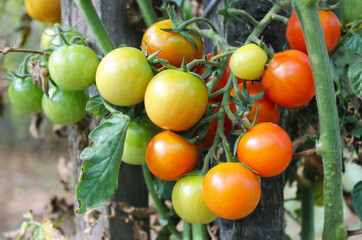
(139, 134)
(266, 148)
(175, 100)
(73, 67)
(330, 25)
(24, 95)
(47, 11)
(231, 190)
(351, 10)
(55, 41)
(123, 75)
(288, 79)
(174, 47)
(248, 62)
(170, 156)
(268, 111)
(188, 202)
(64, 107)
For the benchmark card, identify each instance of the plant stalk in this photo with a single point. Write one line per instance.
(199, 232)
(307, 200)
(95, 24)
(148, 13)
(186, 233)
(329, 144)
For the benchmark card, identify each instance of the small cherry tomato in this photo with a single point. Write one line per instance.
(139, 134)
(174, 47)
(188, 202)
(248, 62)
(170, 156)
(330, 25)
(351, 10)
(47, 11)
(268, 111)
(288, 79)
(231, 190)
(25, 96)
(65, 107)
(175, 100)
(73, 67)
(266, 148)
(123, 75)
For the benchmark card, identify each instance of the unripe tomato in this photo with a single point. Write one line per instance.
(47, 11)
(231, 190)
(266, 148)
(174, 47)
(123, 75)
(268, 111)
(47, 34)
(288, 79)
(170, 156)
(25, 96)
(139, 134)
(330, 25)
(188, 202)
(248, 62)
(73, 67)
(175, 100)
(65, 107)
(351, 10)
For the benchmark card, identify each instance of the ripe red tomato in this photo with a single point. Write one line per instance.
(169, 156)
(266, 148)
(175, 100)
(288, 79)
(174, 47)
(47, 11)
(188, 202)
(268, 111)
(222, 82)
(330, 25)
(231, 190)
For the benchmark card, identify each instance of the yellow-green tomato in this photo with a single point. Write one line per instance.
(175, 100)
(139, 134)
(188, 202)
(123, 75)
(248, 62)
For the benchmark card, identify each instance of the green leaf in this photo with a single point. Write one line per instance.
(318, 192)
(164, 188)
(36, 233)
(95, 106)
(355, 76)
(354, 44)
(102, 160)
(357, 198)
(357, 132)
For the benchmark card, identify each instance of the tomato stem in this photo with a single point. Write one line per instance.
(199, 232)
(95, 24)
(307, 209)
(329, 145)
(186, 233)
(147, 11)
(7, 50)
(160, 209)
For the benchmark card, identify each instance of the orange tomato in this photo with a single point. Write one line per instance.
(47, 11)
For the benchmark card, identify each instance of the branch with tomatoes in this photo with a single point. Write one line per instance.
(172, 110)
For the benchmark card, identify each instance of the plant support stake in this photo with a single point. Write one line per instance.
(329, 144)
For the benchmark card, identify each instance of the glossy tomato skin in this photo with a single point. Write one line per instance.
(25, 96)
(47, 11)
(248, 62)
(73, 67)
(170, 156)
(65, 107)
(123, 75)
(266, 148)
(139, 134)
(231, 190)
(175, 100)
(268, 111)
(173, 46)
(188, 202)
(288, 79)
(330, 25)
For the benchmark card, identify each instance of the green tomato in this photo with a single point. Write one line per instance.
(25, 96)
(351, 10)
(65, 107)
(139, 134)
(123, 75)
(73, 67)
(188, 202)
(248, 62)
